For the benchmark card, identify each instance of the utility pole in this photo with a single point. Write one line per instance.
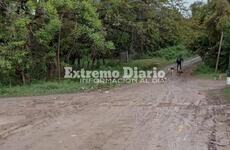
(228, 78)
(219, 51)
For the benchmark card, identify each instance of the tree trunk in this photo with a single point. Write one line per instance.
(23, 77)
(93, 61)
(51, 70)
(79, 62)
(58, 52)
(220, 46)
(228, 78)
(229, 66)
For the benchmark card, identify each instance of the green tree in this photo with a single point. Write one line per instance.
(213, 19)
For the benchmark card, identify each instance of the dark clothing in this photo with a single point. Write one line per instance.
(179, 67)
(229, 67)
(179, 62)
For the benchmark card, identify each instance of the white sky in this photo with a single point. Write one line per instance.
(189, 2)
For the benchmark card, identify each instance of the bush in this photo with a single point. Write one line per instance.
(204, 69)
(172, 53)
(145, 64)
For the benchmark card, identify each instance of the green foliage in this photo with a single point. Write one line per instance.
(211, 19)
(207, 72)
(89, 15)
(172, 53)
(226, 93)
(70, 86)
(51, 87)
(142, 64)
(150, 24)
(204, 69)
(148, 64)
(35, 39)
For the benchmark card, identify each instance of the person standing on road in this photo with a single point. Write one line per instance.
(179, 62)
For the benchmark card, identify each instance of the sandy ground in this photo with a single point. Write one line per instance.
(176, 115)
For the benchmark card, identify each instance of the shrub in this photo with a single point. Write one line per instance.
(204, 69)
(172, 53)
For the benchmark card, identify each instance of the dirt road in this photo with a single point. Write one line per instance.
(176, 115)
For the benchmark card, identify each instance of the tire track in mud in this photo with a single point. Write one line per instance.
(38, 113)
(212, 139)
(218, 111)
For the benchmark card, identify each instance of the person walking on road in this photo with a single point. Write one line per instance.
(179, 62)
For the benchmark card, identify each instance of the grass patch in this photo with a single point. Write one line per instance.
(226, 94)
(206, 72)
(51, 87)
(145, 64)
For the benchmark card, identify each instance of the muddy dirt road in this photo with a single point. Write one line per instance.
(177, 115)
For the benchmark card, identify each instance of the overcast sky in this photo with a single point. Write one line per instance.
(189, 2)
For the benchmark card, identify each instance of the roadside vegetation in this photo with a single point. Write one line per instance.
(52, 87)
(172, 53)
(220, 94)
(37, 88)
(226, 93)
(39, 38)
(206, 72)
